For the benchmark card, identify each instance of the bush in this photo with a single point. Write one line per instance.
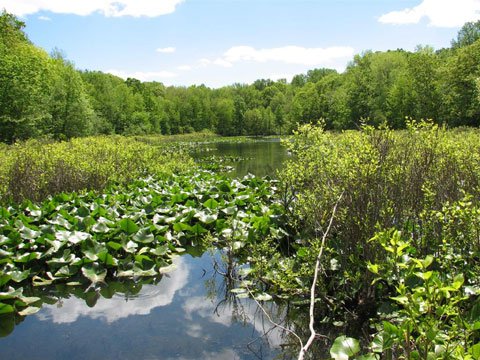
(35, 169)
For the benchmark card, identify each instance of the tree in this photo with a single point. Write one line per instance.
(468, 34)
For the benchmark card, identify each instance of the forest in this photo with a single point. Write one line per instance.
(44, 95)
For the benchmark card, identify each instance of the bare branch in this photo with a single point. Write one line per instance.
(310, 340)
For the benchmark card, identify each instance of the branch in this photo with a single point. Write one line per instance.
(305, 348)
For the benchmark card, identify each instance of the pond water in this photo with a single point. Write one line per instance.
(260, 157)
(188, 314)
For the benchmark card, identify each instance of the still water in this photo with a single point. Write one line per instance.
(188, 314)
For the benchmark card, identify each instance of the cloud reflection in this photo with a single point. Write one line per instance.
(110, 310)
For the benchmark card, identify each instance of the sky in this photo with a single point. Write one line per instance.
(222, 42)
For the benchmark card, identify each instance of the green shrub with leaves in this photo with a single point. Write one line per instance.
(388, 179)
(35, 169)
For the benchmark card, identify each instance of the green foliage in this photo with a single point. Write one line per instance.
(435, 309)
(128, 231)
(34, 169)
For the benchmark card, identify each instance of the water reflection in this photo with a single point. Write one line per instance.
(120, 305)
(189, 314)
(261, 158)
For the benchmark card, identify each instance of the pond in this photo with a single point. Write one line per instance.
(188, 313)
(260, 157)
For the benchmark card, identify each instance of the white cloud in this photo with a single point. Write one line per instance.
(184, 67)
(166, 50)
(143, 75)
(44, 18)
(441, 13)
(114, 8)
(222, 62)
(289, 55)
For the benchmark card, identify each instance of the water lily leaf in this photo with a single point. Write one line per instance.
(29, 234)
(78, 236)
(238, 291)
(6, 308)
(144, 236)
(211, 204)
(343, 347)
(29, 311)
(107, 258)
(19, 276)
(4, 213)
(94, 274)
(114, 245)
(11, 293)
(159, 250)
(181, 227)
(101, 227)
(128, 226)
(130, 247)
(167, 269)
(230, 210)
(60, 221)
(27, 257)
(66, 271)
(38, 281)
(4, 278)
(206, 218)
(198, 229)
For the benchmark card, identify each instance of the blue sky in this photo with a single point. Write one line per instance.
(220, 42)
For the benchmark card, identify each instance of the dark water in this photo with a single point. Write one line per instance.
(189, 314)
(261, 157)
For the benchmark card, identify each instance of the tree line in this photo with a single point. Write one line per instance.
(44, 95)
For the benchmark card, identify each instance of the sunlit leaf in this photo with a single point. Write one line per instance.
(343, 347)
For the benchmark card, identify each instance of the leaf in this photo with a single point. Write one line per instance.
(198, 229)
(5, 308)
(343, 347)
(159, 250)
(128, 226)
(29, 311)
(107, 259)
(181, 227)
(211, 204)
(144, 236)
(19, 276)
(100, 227)
(94, 274)
(475, 351)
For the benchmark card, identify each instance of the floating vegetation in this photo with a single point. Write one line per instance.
(126, 232)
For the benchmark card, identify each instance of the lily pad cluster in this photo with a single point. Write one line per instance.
(128, 231)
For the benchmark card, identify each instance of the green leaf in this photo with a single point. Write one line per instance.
(94, 274)
(181, 227)
(107, 259)
(144, 236)
(198, 229)
(128, 226)
(211, 204)
(19, 276)
(475, 351)
(5, 308)
(343, 347)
